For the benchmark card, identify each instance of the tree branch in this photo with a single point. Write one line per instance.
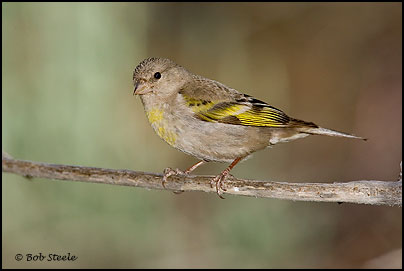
(360, 192)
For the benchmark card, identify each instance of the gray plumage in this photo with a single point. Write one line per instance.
(209, 120)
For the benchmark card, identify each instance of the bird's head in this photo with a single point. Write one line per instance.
(158, 76)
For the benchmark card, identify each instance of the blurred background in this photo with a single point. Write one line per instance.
(67, 98)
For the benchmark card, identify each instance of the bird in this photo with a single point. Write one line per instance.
(211, 121)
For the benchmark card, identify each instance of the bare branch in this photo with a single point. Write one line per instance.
(360, 192)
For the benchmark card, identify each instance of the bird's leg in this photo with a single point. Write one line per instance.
(192, 168)
(169, 172)
(221, 178)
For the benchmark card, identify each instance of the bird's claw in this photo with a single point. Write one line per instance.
(219, 182)
(170, 172)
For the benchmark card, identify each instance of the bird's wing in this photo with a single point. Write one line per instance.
(213, 102)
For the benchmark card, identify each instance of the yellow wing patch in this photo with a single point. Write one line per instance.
(265, 116)
(258, 114)
(198, 105)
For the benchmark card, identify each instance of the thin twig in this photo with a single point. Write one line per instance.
(360, 192)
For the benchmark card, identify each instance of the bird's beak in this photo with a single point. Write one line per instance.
(140, 88)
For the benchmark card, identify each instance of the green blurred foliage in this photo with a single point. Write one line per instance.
(67, 98)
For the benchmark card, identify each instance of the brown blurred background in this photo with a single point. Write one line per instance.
(67, 98)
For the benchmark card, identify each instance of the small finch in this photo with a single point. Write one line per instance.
(211, 121)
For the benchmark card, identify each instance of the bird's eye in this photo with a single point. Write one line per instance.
(157, 75)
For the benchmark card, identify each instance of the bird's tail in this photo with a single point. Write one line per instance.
(313, 129)
(328, 132)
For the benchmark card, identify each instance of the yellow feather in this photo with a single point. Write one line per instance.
(198, 105)
(235, 113)
(154, 115)
(220, 113)
(168, 136)
(156, 119)
(252, 118)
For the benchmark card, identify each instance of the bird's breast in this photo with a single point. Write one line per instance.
(161, 125)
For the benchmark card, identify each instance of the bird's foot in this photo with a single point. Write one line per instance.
(170, 172)
(219, 182)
